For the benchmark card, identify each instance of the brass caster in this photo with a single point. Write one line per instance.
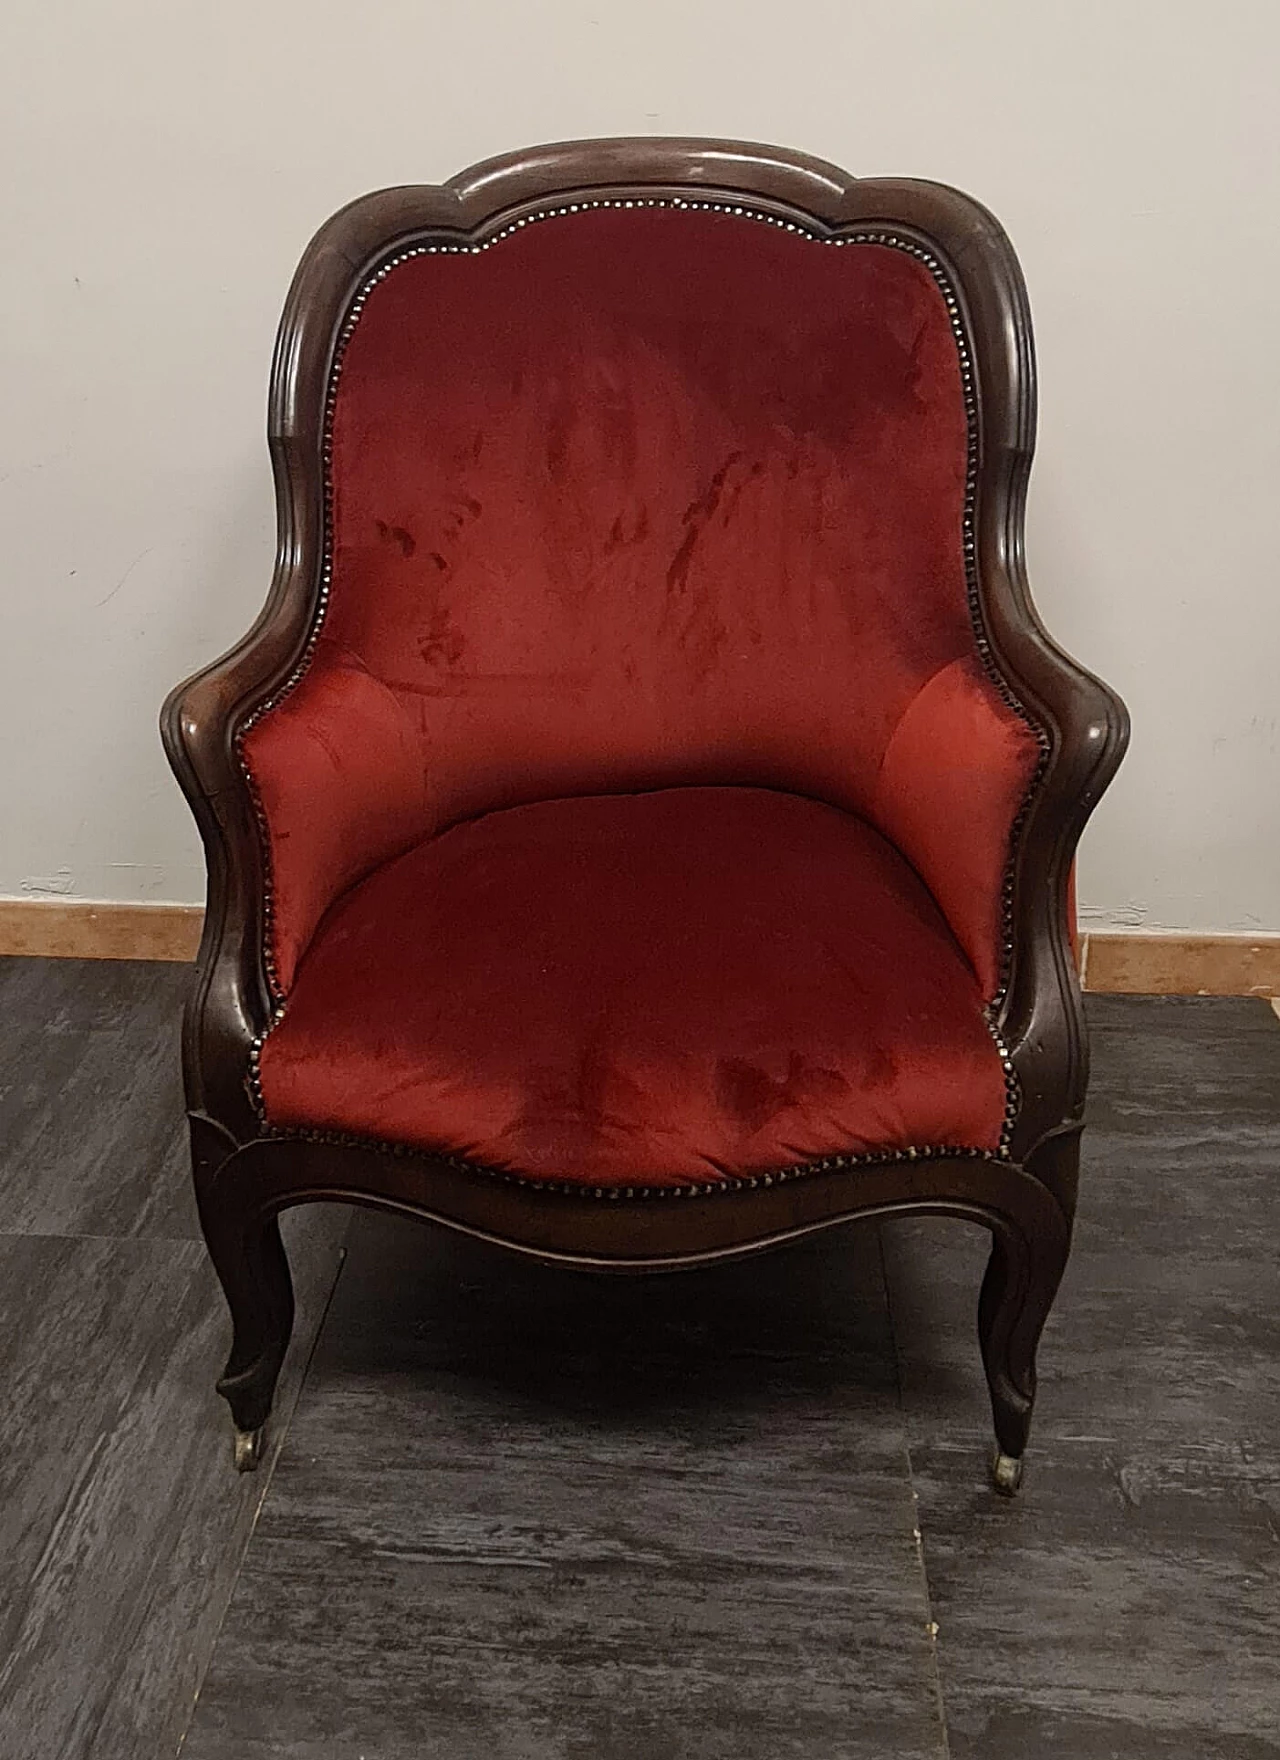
(248, 1449)
(1006, 1472)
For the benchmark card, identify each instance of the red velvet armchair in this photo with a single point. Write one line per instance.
(639, 825)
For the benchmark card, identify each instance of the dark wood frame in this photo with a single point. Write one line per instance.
(246, 1175)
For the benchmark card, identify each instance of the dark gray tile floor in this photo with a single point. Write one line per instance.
(533, 1516)
(1128, 1603)
(122, 1526)
(526, 1514)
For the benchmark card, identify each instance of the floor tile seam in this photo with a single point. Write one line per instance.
(131, 1240)
(931, 1625)
(271, 1464)
(792, 1580)
(631, 1472)
(1084, 1700)
(961, 1438)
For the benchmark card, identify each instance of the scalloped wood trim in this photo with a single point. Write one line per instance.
(1149, 965)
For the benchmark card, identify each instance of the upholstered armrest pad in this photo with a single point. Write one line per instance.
(952, 781)
(338, 771)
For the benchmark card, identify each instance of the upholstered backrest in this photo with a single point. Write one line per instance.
(645, 496)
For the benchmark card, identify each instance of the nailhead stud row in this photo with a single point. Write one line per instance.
(694, 1189)
(884, 238)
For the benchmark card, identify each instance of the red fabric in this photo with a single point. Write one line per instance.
(636, 499)
(649, 988)
(943, 794)
(349, 787)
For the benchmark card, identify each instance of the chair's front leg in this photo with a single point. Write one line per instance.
(249, 1258)
(1021, 1282)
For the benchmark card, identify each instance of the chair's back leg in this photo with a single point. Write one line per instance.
(1021, 1282)
(249, 1258)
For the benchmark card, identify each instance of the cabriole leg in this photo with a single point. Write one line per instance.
(249, 1258)
(1017, 1293)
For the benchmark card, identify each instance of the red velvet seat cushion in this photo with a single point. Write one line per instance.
(653, 988)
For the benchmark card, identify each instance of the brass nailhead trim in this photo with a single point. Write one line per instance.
(886, 238)
(614, 1193)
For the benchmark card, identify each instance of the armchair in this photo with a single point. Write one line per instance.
(639, 825)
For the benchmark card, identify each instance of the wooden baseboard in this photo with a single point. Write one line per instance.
(67, 929)
(1111, 960)
(1182, 965)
